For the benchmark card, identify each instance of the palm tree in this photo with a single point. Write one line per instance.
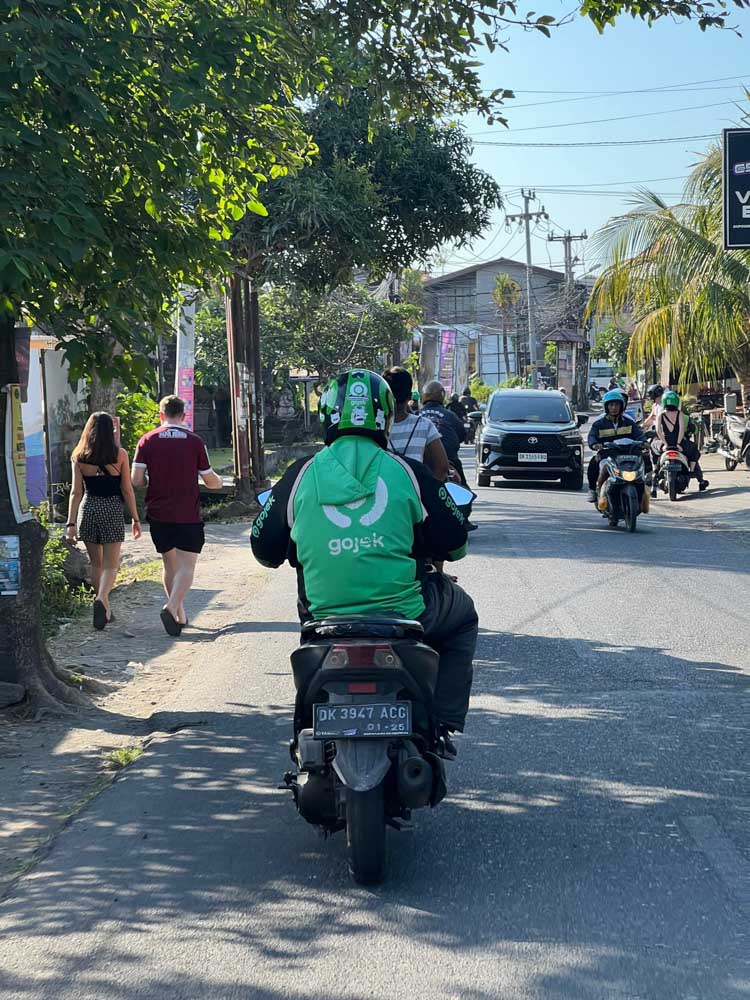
(668, 268)
(506, 295)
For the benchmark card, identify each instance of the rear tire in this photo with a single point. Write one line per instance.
(672, 487)
(365, 835)
(483, 479)
(729, 464)
(572, 481)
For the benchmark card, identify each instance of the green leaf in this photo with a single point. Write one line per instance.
(257, 208)
(151, 209)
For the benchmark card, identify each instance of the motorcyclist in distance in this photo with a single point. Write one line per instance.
(672, 430)
(613, 425)
(361, 525)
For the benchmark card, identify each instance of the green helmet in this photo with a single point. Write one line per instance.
(358, 402)
(670, 401)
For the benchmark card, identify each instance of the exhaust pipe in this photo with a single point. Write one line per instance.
(726, 454)
(414, 782)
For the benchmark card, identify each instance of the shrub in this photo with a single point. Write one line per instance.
(138, 415)
(60, 601)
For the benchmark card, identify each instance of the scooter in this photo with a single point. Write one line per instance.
(366, 747)
(672, 472)
(734, 441)
(623, 495)
(595, 393)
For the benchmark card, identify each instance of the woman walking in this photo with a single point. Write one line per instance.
(412, 435)
(101, 486)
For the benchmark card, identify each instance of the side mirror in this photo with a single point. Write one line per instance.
(476, 415)
(263, 496)
(460, 495)
(581, 419)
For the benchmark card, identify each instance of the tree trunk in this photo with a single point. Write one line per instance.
(741, 369)
(104, 394)
(24, 658)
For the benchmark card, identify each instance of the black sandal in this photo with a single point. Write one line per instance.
(170, 623)
(100, 615)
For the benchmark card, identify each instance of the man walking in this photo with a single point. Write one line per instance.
(172, 458)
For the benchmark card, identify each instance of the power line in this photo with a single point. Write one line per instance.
(565, 187)
(639, 90)
(609, 142)
(602, 121)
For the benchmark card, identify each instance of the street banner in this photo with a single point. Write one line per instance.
(185, 375)
(15, 454)
(447, 360)
(736, 177)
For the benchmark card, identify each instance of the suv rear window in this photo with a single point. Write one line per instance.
(530, 409)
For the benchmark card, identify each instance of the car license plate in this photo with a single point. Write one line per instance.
(532, 456)
(362, 721)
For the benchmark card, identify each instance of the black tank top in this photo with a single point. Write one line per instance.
(104, 485)
(670, 435)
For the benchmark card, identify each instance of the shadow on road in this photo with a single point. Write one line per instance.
(550, 857)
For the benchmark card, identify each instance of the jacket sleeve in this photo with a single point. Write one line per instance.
(442, 535)
(271, 534)
(593, 437)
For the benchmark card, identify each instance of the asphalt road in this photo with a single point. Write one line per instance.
(594, 845)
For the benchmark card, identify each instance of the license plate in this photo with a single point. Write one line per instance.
(532, 456)
(356, 722)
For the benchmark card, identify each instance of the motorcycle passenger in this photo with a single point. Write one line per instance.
(470, 404)
(654, 393)
(672, 430)
(360, 525)
(614, 424)
(457, 407)
(451, 429)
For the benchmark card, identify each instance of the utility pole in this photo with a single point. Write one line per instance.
(567, 241)
(526, 216)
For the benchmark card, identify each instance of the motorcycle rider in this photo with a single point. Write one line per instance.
(672, 430)
(361, 525)
(614, 424)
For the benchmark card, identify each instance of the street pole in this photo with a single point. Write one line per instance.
(567, 241)
(526, 217)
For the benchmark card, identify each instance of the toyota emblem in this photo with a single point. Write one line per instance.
(533, 440)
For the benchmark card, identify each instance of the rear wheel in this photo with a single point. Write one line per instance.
(672, 486)
(572, 481)
(483, 479)
(365, 835)
(729, 464)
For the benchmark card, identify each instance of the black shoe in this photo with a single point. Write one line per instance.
(592, 496)
(446, 748)
(471, 527)
(703, 485)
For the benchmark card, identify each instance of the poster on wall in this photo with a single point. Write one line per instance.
(10, 565)
(15, 454)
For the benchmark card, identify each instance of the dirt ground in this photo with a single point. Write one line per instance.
(50, 769)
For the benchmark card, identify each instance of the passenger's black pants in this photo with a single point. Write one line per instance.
(451, 626)
(593, 471)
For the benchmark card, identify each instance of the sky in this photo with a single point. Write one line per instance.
(594, 183)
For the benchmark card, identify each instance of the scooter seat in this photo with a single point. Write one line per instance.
(362, 627)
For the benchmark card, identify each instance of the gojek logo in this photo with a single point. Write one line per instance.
(341, 519)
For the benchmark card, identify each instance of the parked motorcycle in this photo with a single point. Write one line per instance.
(595, 393)
(734, 441)
(623, 496)
(366, 748)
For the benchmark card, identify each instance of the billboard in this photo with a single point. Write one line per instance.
(736, 177)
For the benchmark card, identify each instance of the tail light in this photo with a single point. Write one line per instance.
(365, 655)
(362, 687)
(673, 454)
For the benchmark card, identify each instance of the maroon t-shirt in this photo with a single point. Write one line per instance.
(173, 456)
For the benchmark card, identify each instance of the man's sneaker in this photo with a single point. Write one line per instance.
(471, 527)
(703, 485)
(446, 748)
(592, 496)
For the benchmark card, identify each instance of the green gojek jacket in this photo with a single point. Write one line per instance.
(358, 523)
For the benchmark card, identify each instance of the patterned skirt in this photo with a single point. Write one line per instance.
(101, 520)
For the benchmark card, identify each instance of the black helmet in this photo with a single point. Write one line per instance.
(654, 392)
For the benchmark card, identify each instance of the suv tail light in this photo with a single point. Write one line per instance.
(365, 655)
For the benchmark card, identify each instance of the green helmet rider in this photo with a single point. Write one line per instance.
(671, 401)
(358, 402)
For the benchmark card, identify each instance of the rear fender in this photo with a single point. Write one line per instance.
(361, 764)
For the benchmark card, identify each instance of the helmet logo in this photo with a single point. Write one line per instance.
(342, 520)
(358, 416)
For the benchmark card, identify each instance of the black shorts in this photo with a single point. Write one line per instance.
(168, 535)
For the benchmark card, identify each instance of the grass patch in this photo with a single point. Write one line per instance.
(140, 572)
(222, 458)
(120, 758)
